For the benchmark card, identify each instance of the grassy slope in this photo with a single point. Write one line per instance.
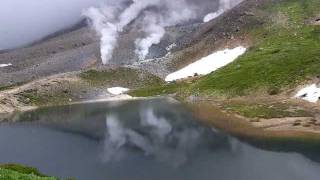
(89, 81)
(162, 89)
(266, 111)
(285, 52)
(15, 172)
(121, 77)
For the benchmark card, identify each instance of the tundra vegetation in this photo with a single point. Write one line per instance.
(284, 53)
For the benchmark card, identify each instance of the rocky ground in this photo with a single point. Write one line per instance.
(261, 116)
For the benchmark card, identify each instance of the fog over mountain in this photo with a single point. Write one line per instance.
(23, 22)
(152, 16)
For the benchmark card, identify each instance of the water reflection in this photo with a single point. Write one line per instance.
(153, 139)
(153, 136)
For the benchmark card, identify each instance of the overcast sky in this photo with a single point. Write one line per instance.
(24, 21)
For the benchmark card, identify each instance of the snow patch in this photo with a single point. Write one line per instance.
(310, 93)
(207, 64)
(5, 65)
(212, 16)
(117, 90)
(171, 46)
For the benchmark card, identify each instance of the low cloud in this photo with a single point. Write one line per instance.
(23, 22)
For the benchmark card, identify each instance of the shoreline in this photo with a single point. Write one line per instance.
(238, 126)
(209, 114)
(112, 99)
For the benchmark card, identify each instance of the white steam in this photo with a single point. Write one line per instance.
(154, 31)
(156, 15)
(152, 15)
(224, 5)
(103, 21)
(108, 26)
(213, 15)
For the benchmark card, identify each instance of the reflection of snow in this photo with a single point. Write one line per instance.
(117, 90)
(310, 93)
(5, 65)
(207, 64)
(155, 136)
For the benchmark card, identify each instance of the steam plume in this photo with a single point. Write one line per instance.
(224, 5)
(152, 15)
(108, 27)
(154, 31)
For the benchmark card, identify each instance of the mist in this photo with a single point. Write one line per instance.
(152, 15)
(23, 22)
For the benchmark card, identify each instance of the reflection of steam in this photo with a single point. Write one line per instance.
(161, 127)
(116, 131)
(155, 137)
(114, 140)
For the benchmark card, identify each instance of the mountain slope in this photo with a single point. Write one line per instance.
(283, 40)
(284, 53)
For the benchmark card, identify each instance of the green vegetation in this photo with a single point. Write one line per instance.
(266, 111)
(281, 61)
(3, 88)
(22, 169)
(30, 97)
(66, 91)
(121, 77)
(18, 172)
(163, 89)
(284, 54)
(54, 97)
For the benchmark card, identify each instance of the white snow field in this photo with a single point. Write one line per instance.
(310, 93)
(117, 90)
(207, 64)
(5, 65)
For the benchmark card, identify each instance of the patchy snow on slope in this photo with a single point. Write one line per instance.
(171, 46)
(5, 65)
(310, 93)
(207, 64)
(117, 90)
(212, 16)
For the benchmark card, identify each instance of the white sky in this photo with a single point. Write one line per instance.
(24, 21)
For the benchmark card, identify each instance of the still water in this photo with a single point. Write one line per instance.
(140, 140)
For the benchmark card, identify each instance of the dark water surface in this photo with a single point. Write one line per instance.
(140, 140)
